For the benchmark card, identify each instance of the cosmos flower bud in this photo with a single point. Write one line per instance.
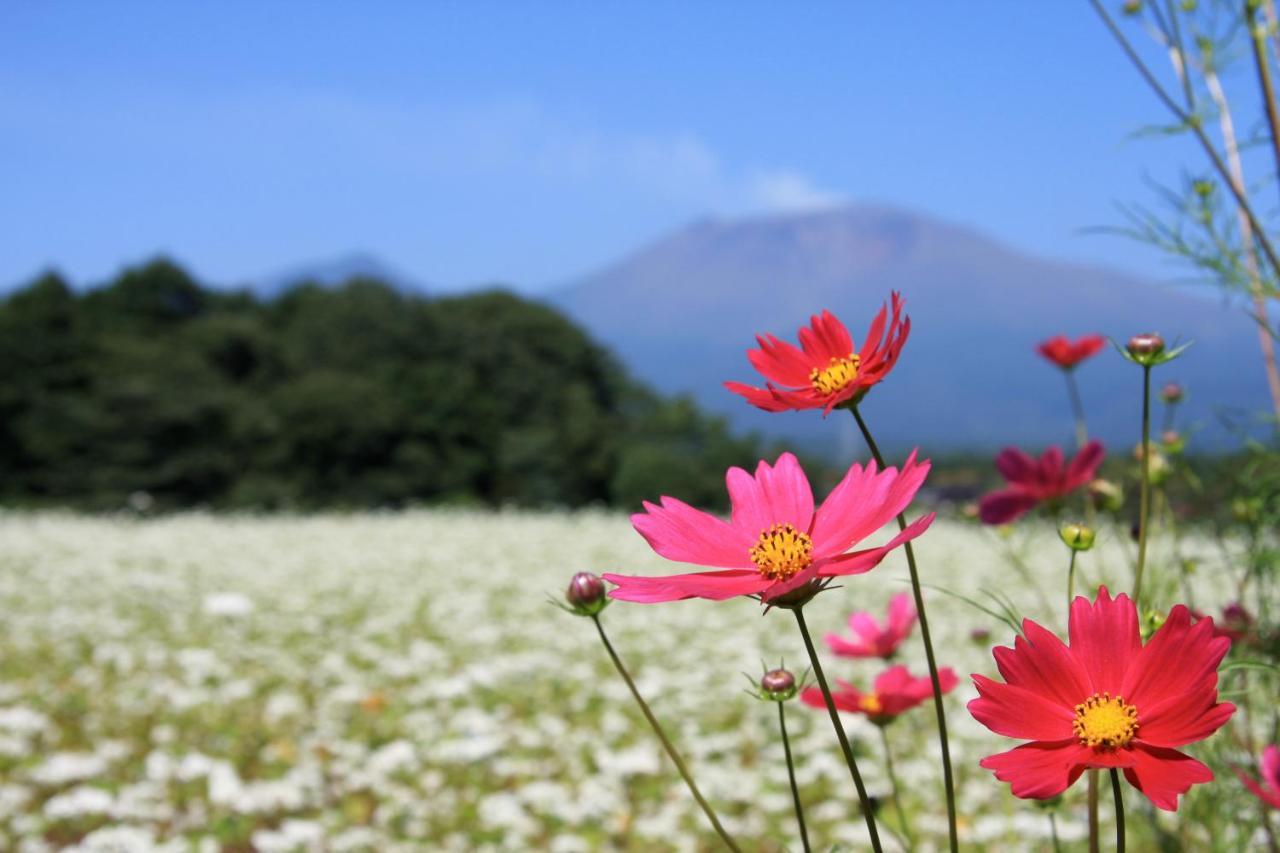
(1173, 442)
(1106, 495)
(1132, 7)
(980, 636)
(1077, 537)
(1171, 393)
(1202, 188)
(1152, 621)
(586, 594)
(1145, 346)
(777, 685)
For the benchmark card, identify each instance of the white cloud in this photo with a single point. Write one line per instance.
(790, 192)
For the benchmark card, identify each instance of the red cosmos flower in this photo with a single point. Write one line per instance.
(870, 640)
(775, 541)
(1105, 700)
(895, 691)
(1067, 354)
(826, 371)
(1268, 788)
(1034, 480)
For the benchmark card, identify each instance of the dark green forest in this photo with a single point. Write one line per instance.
(157, 391)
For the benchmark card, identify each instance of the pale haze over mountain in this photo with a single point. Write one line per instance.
(682, 312)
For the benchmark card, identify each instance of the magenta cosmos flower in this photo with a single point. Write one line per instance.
(872, 640)
(896, 690)
(1267, 788)
(1031, 481)
(826, 370)
(775, 541)
(1105, 700)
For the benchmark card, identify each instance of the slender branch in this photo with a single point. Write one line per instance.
(1053, 832)
(1181, 67)
(791, 774)
(938, 709)
(1144, 500)
(1115, 792)
(1258, 38)
(1194, 124)
(867, 812)
(897, 791)
(1236, 167)
(662, 736)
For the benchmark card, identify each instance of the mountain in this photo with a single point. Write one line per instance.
(683, 311)
(336, 271)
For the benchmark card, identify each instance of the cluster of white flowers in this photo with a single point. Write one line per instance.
(398, 682)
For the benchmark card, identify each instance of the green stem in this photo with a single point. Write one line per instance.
(1115, 792)
(1093, 810)
(1077, 409)
(867, 811)
(1071, 579)
(939, 711)
(897, 797)
(671, 750)
(791, 774)
(1053, 832)
(1144, 503)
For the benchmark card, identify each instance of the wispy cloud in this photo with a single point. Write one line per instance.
(788, 191)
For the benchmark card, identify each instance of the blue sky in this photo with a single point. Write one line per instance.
(532, 142)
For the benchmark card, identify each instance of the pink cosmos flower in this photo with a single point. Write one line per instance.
(1267, 788)
(895, 691)
(1032, 481)
(869, 639)
(1105, 700)
(826, 370)
(775, 541)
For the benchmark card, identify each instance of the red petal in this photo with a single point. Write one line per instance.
(1042, 664)
(1020, 713)
(1005, 505)
(1037, 770)
(1162, 774)
(1105, 639)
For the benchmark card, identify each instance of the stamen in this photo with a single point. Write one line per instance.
(1105, 723)
(837, 375)
(781, 552)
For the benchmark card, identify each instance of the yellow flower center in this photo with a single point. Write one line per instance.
(836, 375)
(871, 704)
(1105, 723)
(781, 551)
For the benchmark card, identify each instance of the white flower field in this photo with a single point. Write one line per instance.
(385, 682)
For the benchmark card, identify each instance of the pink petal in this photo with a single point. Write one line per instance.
(1162, 774)
(902, 614)
(775, 495)
(1085, 465)
(679, 532)
(1005, 505)
(1015, 466)
(864, 501)
(716, 586)
(864, 561)
(864, 626)
(1105, 638)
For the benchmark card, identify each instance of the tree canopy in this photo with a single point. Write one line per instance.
(156, 387)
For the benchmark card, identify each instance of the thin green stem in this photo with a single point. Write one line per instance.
(1144, 502)
(938, 709)
(1093, 810)
(897, 791)
(865, 801)
(662, 736)
(1077, 409)
(1115, 792)
(1053, 832)
(791, 774)
(1071, 579)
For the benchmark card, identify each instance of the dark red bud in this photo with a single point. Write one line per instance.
(1146, 345)
(586, 592)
